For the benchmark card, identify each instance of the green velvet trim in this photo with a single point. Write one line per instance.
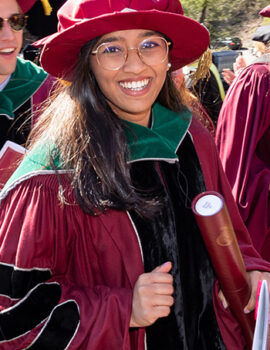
(162, 139)
(24, 82)
(36, 161)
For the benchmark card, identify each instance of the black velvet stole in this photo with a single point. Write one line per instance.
(16, 130)
(173, 236)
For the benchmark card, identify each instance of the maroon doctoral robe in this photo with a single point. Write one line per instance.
(243, 140)
(67, 277)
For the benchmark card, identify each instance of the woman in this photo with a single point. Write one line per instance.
(98, 242)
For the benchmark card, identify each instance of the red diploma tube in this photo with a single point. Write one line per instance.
(217, 231)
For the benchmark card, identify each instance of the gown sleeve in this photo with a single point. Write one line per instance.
(53, 291)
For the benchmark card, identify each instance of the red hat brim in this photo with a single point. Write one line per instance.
(265, 12)
(60, 50)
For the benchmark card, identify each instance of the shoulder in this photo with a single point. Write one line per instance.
(250, 86)
(206, 150)
(204, 142)
(42, 160)
(255, 70)
(199, 132)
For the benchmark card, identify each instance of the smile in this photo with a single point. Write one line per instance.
(135, 85)
(7, 50)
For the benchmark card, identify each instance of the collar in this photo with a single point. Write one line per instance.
(24, 82)
(162, 140)
(3, 85)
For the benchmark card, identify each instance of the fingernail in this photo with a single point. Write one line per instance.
(225, 305)
(246, 311)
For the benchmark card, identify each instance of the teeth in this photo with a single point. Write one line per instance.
(8, 50)
(135, 85)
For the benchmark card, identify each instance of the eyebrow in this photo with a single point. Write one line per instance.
(119, 38)
(13, 14)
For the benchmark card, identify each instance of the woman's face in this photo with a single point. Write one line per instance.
(132, 89)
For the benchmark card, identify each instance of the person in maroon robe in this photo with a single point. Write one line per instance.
(243, 141)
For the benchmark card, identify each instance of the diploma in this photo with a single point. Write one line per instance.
(215, 225)
(10, 156)
(262, 317)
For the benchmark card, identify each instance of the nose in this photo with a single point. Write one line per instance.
(133, 62)
(6, 32)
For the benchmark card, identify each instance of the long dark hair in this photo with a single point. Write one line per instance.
(90, 139)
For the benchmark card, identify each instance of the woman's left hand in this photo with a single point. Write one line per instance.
(254, 277)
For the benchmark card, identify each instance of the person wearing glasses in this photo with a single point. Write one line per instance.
(99, 248)
(22, 84)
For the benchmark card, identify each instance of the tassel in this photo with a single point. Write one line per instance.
(47, 7)
(64, 82)
(204, 64)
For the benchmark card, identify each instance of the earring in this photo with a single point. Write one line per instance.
(169, 65)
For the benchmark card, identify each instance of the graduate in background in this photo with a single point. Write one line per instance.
(23, 85)
(243, 140)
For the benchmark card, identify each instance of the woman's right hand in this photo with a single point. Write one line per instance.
(152, 296)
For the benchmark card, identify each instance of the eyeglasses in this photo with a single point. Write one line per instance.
(112, 56)
(17, 21)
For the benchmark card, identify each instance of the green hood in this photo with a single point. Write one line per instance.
(24, 82)
(162, 139)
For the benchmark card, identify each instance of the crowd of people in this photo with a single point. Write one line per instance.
(99, 246)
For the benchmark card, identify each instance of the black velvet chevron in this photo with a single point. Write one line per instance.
(16, 130)
(60, 329)
(174, 236)
(16, 283)
(30, 311)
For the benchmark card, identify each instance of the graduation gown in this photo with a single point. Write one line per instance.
(67, 277)
(243, 141)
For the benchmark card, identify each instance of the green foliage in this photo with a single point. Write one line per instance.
(222, 17)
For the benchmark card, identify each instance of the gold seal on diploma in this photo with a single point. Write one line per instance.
(225, 238)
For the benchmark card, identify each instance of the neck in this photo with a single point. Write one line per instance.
(141, 118)
(137, 119)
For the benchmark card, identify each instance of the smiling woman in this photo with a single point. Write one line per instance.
(97, 220)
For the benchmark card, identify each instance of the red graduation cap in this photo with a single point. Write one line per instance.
(83, 20)
(265, 12)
